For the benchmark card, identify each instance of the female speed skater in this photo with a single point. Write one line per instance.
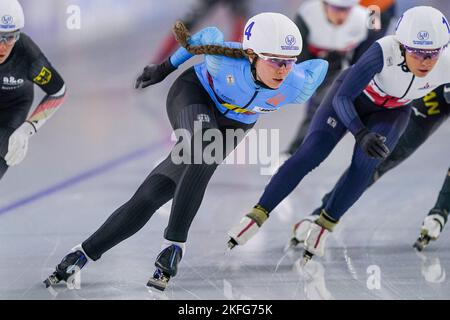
(228, 91)
(22, 64)
(372, 101)
(429, 113)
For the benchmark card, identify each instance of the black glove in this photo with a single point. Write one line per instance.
(154, 73)
(372, 144)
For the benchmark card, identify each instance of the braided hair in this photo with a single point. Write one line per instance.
(182, 35)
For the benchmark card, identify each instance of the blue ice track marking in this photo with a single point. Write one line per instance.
(91, 173)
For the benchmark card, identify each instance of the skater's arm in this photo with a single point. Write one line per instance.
(47, 108)
(154, 74)
(207, 36)
(43, 74)
(214, 63)
(315, 71)
(353, 85)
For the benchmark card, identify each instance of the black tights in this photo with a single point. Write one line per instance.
(186, 184)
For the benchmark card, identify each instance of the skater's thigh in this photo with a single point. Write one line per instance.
(326, 119)
(188, 102)
(390, 124)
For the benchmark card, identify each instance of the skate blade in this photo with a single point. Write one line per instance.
(231, 244)
(159, 281)
(307, 256)
(421, 243)
(157, 284)
(51, 281)
(292, 246)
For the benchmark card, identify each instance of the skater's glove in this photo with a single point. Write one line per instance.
(372, 144)
(248, 226)
(18, 144)
(154, 74)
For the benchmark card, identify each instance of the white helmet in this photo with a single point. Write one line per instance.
(342, 3)
(423, 28)
(11, 16)
(272, 33)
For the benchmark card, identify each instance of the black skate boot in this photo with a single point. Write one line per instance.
(166, 267)
(69, 266)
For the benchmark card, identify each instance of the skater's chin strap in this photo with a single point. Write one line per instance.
(403, 65)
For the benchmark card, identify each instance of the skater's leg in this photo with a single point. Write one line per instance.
(389, 123)
(324, 133)
(443, 201)
(156, 190)
(436, 219)
(161, 184)
(194, 181)
(420, 127)
(192, 184)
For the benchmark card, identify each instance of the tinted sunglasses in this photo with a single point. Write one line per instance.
(10, 37)
(423, 54)
(278, 62)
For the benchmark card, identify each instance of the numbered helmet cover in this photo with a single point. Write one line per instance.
(272, 33)
(423, 27)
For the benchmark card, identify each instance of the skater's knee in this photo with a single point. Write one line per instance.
(154, 191)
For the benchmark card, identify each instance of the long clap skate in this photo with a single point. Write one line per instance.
(300, 231)
(247, 227)
(316, 237)
(166, 267)
(431, 228)
(71, 264)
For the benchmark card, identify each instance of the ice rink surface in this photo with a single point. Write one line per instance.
(91, 157)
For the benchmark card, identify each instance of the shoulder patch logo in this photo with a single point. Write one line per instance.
(390, 61)
(44, 77)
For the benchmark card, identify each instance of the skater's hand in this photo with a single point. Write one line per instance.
(372, 144)
(154, 74)
(18, 144)
(248, 227)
